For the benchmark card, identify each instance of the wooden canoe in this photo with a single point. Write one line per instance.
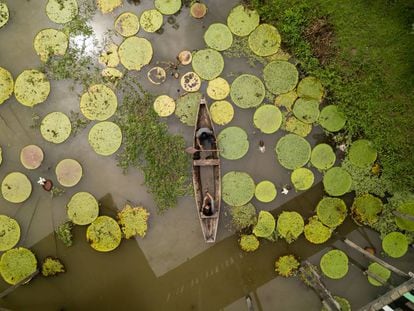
(206, 174)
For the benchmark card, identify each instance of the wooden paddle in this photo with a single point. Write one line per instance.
(192, 150)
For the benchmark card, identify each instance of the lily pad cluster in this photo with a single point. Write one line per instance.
(164, 105)
(395, 244)
(331, 211)
(133, 221)
(208, 64)
(290, 226)
(31, 157)
(302, 178)
(68, 172)
(323, 157)
(98, 103)
(218, 37)
(107, 6)
(135, 53)
(218, 88)
(151, 20)
(247, 91)
(362, 153)
(287, 265)
(337, 181)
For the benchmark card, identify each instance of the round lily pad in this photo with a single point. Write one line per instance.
(293, 151)
(331, 119)
(237, 188)
(331, 211)
(380, 271)
(10, 233)
(290, 225)
(316, 232)
(98, 103)
(334, 264)
(295, 126)
(323, 157)
(185, 57)
(49, 42)
(105, 138)
(164, 105)
(198, 10)
(366, 208)
(16, 187)
(109, 57)
(267, 118)
(168, 7)
(265, 191)
(133, 221)
(362, 153)
(151, 20)
(302, 178)
(218, 89)
(406, 208)
(187, 106)
(287, 265)
(337, 181)
(104, 234)
(157, 75)
(112, 74)
(310, 87)
(55, 127)
(208, 63)
(4, 14)
(127, 24)
(249, 243)
(62, 11)
(107, 6)
(306, 110)
(265, 225)
(17, 264)
(233, 143)
(218, 36)
(280, 77)
(190, 82)
(242, 21)
(265, 40)
(68, 172)
(83, 208)
(222, 112)
(31, 88)
(135, 53)
(247, 91)
(286, 100)
(395, 244)
(6, 84)
(31, 156)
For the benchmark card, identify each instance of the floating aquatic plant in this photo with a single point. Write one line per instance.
(104, 234)
(286, 100)
(331, 211)
(406, 208)
(68, 172)
(31, 88)
(135, 53)
(343, 303)
(109, 56)
(31, 157)
(237, 188)
(267, 118)
(280, 77)
(265, 191)
(98, 103)
(62, 11)
(17, 264)
(366, 208)
(265, 225)
(334, 264)
(168, 7)
(10, 233)
(264, 40)
(249, 243)
(83, 208)
(16, 187)
(133, 221)
(198, 10)
(395, 244)
(56, 127)
(247, 91)
(331, 119)
(306, 110)
(302, 178)
(290, 225)
(287, 265)
(151, 20)
(218, 88)
(295, 126)
(6, 84)
(310, 87)
(64, 233)
(190, 82)
(187, 107)
(49, 42)
(208, 63)
(362, 153)
(242, 21)
(218, 37)
(105, 138)
(316, 232)
(4, 14)
(127, 24)
(292, 151)
(337, 181)
(164, 105)
(52, 266)
(107, 6)
(243, 216)
(323, 157)
(222, 112)
(233, 143)
(379, 271)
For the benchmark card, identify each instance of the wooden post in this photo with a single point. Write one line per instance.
(15, 286)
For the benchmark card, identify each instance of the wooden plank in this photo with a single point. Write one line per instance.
(206, 162)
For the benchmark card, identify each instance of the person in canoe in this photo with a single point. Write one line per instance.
(204, 135)
(208, 205)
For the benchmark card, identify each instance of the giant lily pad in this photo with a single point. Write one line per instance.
(107, 6)
(68, 172)
(302, 178)
(98, 103)
(265, 225)
(243, 216)
(55, 127)
(198, 10)
(249, 243)
(290, 225)
(287, 265)
(208, 63)
(366, 208)
(310, 87)
(316, 232)
(306, 110)
(109, 57)
(6, 84)
(265, 40)
(242, 21)
(362, 153)
(323, 157)
(17, 264)
(331, 119)
(10, 233)
(105, 138)
(237, 188)
(286, 100)
(395, 244)
(16, 187)
(265, 191)
(83, 208)
(135, 53)
(293, 151)
(337, 181)
(218, 89)
(164, 105)
(334, 264)
(218, 36)
(4, 14)
(31, 88)
(127, 24)
(49, 42)
(190, 82)
(406, 208)
(31, 156)
(151, 20)
(168, 7)
(133, 221)
(104, 234)
(187, 106)
(267, 118)
(331, 211)
(222, 112)
(295, 126)
(62, 11)
(233, 143)
(280, 77)
(379, 271)
(247, 91)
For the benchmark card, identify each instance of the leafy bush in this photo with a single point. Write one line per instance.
(243, 216)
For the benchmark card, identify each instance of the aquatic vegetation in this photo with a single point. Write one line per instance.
(249, 243)
(265, 225)
(310, 87)
(208, 64)
(64, 233)
(334, 264)
(6, 84)
(49, 42)
(187, 107)
(362, 153)
(109, 56)
(222, 112)
(83, 208)
(287, 265)
(127, 24)
(105, 138)
(290, 226)
(331, 119)
(62, 11)
(337, 181)
(240, 48)
(302, 178)
(112, 74)
(133, 221)
(68, 172)
(31, 157)
(243, 217)
(17, 264)
(4, 14)
(379, 271)
(31, 88)
(237, 188)
(233, 143)
(280, 77)
(135, 53)
(264, 40)
(316, 232)
(295, 126)
(306, 110)
(366, 208)
(286, 100)
(331, 211)
(55, 127)
(78, 122)
(406, 208)
(185, 57)
(344, 304)
(395, 244)
(16, 187)
(198, 10)
(218, 37)
(247, 91)
(322, 157)
(190, 82)
(151, 20)
(265, 191)
(104, 234)
(164, 105)
(267, 118)
(107, 6)
(293, 151)
(52, 266)
(168, 7)
(98, 103)
(10, 233)
(242, 21)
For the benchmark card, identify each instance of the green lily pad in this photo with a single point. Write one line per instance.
(107, 6)
(242, 21)
(164, 105)
(249, 243)
(247, 91)
(310, 87)
(290, 225)
(362, 153)
(52, 266)
(334, 264)
(218, 37)
(323, 157)
(337, 181)
(135, 53)
(402, 223)
(331, 211)
(127, 24)
(17, 264)
(267, 118)
(49, 42)
(104, 234)
(151, 20)
(265, 225)
(68, 172)
(98, 103)
(292, 151)
(83, 208)
(187, 107)
(395, 244)
(133, 221)
(366, 208)
(331, 119)
(218, 89)
(190, 82)
(105, 138)
(380, 271)
(16, 187)
(265, 191)
(302, 178)
(233, 143)
(31, 156)
(31, 88)
(265, 40)
(280, 77)
(286, 100)
(237, 188)
(243, 216)
(6, 85)
(4, 14)
(295, 126)
(62, 11)
(306, 110)
(109, 57)
(168, 7)
(222, 112)
(316, 232)
(287, 265)
(55, 127)
(208, 63)
(10, 233)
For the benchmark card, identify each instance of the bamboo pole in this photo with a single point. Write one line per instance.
(403, 215)
(378, 279)
(14, 287)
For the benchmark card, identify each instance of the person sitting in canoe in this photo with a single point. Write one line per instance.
(208, 205)
(204, 135)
